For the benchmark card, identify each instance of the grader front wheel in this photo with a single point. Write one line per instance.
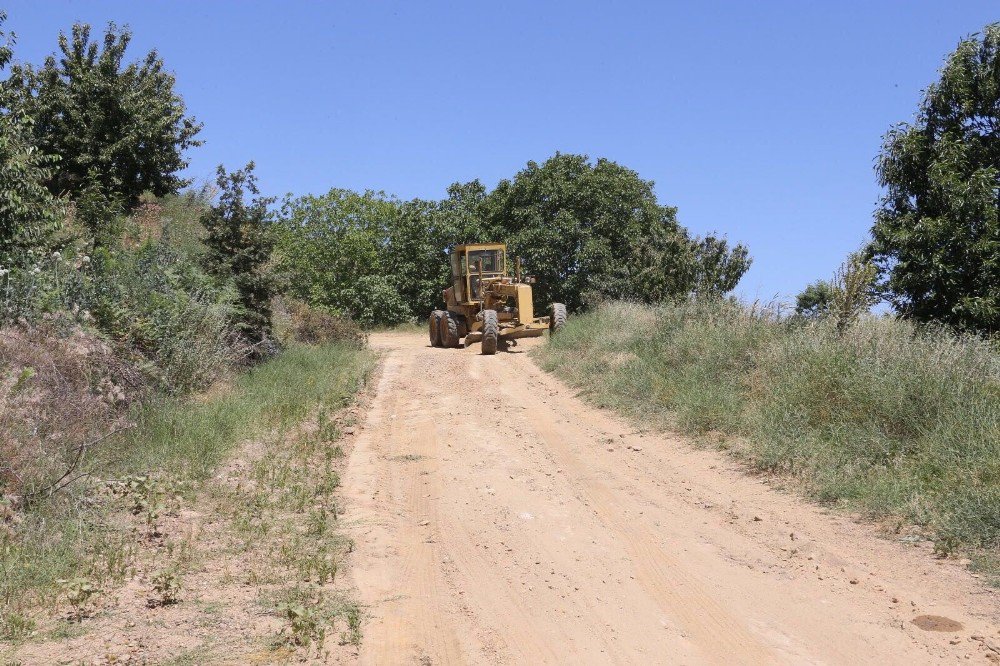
(491, 332)
(557, 318)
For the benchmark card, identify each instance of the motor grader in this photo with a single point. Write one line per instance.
(486, 304)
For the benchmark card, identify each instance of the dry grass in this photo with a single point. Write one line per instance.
(886, 418)
(88, 532)
(58, 392)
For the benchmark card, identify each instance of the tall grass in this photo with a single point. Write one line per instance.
(82, 532)
(885, 417)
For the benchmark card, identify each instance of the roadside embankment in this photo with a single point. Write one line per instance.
(128, 525)
(896, 422)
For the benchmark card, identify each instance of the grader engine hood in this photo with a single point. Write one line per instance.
(525, 309)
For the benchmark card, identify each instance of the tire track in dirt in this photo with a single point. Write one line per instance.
(500, 520)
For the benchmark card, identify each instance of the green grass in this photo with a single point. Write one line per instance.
(888, 419)
(86, 533)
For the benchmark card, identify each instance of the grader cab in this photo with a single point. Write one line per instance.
(486, 304)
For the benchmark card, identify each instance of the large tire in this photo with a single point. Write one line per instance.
(450, 330)
(434, 327)
(557, 318)
(491, 332)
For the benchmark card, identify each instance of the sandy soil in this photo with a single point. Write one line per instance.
(499, 519)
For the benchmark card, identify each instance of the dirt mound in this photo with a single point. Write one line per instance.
(59, 390)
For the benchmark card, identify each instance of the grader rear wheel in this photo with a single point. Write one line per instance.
(491, 332)
(434, 327)
(450, 330)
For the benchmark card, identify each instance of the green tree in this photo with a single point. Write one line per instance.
(239, 242)
(595, 230)
(419, 240)
(814, 301)
(121, 127)
(28, 212)
(334, 252)
(936, 235)
(850, 294)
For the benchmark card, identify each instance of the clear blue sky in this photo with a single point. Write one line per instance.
(759, 120)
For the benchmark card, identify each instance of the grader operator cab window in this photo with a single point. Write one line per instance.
(492, 261)
(492, 264)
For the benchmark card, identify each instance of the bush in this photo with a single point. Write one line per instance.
(313, 325)
(882, 415)
(165, 313)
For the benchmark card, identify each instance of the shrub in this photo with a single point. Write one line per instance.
(313, 325)
(165, 313)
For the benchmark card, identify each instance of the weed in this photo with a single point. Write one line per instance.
(318, 522)
(15, 626)
(78, 592)
(166, 586)
(306, 623)
(353, 635)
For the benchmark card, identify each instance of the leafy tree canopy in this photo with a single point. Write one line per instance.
(596, 230)
(814, 300)
(28, 212)
(936, 236)
(120, 127)
(238, 245)
(585, 230)
(334, 254)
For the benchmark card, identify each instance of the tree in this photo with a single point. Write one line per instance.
(334, 250)
(585, 231)
(239, 244)
(421, 236)
(850, 294)
(595, 230)
(118, 126)
(28, 212)
(814, 301)
(936, 235)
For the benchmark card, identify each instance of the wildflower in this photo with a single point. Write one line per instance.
(36, 270)
(57, 255)
(85, 260)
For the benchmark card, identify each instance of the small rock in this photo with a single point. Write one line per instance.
(424, 523)
(757, 519)
(854, 581)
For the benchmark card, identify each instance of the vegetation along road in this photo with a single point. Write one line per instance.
(522, 526)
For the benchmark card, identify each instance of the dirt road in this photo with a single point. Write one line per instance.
(499, 519)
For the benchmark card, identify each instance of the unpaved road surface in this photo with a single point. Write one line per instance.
(501, 520)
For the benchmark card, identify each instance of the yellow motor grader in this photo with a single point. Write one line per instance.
(486, 304)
